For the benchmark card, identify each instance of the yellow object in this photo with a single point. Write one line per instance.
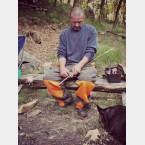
(60, 102)
(85, 88)
(84, 4)
(93, 64)
(54, 88)
(79, 105)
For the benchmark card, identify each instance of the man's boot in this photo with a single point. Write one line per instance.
(82, 112)
(62, 95)
(65, 101)
(83, 93)
(68, 100)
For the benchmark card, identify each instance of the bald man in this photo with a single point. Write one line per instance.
(77, 47)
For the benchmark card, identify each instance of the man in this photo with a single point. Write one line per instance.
(78, 44)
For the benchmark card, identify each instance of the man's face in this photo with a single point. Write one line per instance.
(77, 22)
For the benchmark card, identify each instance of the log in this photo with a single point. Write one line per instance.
(123, 36)
(124, 99)
(101, 85)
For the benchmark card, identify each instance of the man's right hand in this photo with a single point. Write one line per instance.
(64, 72)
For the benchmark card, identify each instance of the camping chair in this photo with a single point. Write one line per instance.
(21, 42)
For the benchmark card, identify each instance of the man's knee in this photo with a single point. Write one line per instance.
(52, 75)
(48, 77)
(89, 74)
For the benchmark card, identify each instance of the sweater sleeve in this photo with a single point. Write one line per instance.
(62, 47)
(91, 45)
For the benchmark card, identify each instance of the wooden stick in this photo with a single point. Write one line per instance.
(103, 53)
(64, 80)
(70, 76)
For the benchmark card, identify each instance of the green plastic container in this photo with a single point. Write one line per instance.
(19, 73)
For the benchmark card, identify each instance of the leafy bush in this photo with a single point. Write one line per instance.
(108, 60)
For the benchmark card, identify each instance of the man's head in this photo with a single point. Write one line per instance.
(77, 18)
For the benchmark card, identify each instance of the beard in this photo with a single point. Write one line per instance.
(76, 28)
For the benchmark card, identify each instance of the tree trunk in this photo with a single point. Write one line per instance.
(124, 13)
(101, 11)
(68, 1)
(116, 14)
(76, 2)
(88, 1)
(54, 4)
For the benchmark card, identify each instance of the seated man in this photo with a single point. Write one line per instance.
(78, 44)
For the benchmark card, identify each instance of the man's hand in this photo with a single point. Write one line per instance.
(76, 69)
(64, 72)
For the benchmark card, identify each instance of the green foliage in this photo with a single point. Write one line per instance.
(26, 94)
(110, 59)
(106, 99)
(64, 111)
(56, 14)
(114, 56)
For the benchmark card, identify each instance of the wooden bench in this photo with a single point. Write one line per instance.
(35, 81)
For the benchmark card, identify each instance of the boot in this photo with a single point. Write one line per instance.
(83, 95)
(62, 95)
(83, 112)
(66, 100)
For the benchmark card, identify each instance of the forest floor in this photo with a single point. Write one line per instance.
(43, 126)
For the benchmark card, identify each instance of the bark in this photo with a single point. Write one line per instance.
(54, 4)
(101, 11)
(124, 13)
(116, 14)
(76, 3)
(88, 1)
(68, 1)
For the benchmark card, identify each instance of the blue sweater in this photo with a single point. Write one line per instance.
(74, 45)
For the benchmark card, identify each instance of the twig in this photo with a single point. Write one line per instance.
(63, 80)
(70, 76)
(103, 54)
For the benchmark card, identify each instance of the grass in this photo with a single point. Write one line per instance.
(26, 95)
(93, 123)
(64, 110)
(24, 72)
(105, 25)
(117, 55)
(107, 99)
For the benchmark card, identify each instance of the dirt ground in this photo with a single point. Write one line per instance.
(62, 127)
(43, 126)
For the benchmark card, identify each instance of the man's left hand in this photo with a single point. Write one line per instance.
(76, 69)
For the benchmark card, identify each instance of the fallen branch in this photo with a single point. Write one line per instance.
(123, 36)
